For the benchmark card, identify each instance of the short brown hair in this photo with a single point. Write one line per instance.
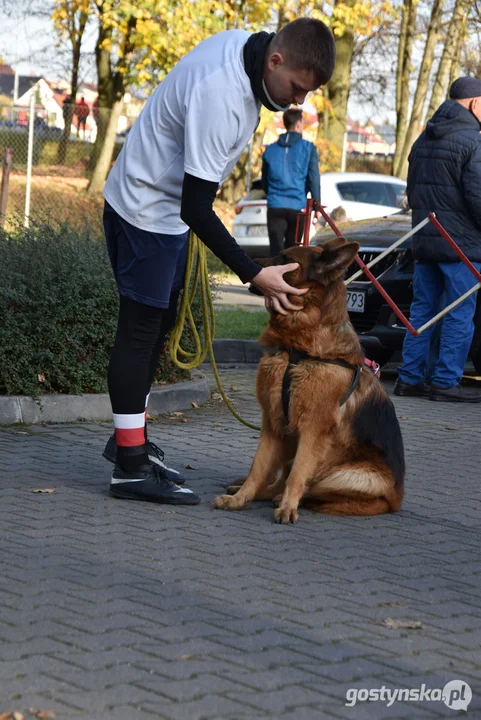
(308, 44)
(291, 118)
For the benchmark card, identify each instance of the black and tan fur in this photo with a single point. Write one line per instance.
(341, 460)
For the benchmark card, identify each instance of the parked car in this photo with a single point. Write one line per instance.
(379, 329)
(45, 131)
(362, 195)
(40, 128)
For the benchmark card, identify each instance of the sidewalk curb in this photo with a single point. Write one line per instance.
(237, 351)
(16, 409)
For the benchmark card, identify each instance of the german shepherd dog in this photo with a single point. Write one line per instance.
(330, 438)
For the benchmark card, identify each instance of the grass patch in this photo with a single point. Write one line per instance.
(240, 324)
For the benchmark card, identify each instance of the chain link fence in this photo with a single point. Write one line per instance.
(45, 171)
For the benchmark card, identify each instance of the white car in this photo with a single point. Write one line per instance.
(362, 195)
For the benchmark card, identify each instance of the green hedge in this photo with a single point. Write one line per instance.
(58, 313)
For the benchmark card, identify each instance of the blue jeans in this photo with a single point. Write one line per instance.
(435, 286)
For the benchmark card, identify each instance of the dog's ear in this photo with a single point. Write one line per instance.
(332, 259)
(334, 243)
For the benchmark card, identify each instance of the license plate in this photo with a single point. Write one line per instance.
(355, 300)
(256, 230)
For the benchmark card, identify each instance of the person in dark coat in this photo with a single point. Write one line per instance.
(445, 178)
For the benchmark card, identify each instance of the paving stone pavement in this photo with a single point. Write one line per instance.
(113, 610)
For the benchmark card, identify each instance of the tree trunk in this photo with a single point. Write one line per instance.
(105, 93)
(323, 117)
(456, 64)
(406, 39)
(339, 85)
(451, 45)
(105, 158)
(76, 40)
(282, 18)
(63, 144)
(111, 99)
(422, 87)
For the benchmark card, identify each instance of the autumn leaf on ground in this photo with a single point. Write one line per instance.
(42, 714)
(189, 467)
(394, 624)
(11, 716)
(195, 405)
(394, 603)
(42, 490)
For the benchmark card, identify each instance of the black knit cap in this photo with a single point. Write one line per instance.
(465, 87)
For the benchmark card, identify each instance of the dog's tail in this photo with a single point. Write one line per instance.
(376, 429)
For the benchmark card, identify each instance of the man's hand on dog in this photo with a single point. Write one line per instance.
(271, 282)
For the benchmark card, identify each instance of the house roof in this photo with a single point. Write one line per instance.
(25, 82)
(6, 70)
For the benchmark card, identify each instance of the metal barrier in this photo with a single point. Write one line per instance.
(314, 206)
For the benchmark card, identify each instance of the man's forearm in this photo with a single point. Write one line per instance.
(197, 212)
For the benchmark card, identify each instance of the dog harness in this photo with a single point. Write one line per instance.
(296, 356)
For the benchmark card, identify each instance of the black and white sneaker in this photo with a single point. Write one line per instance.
(156, 456)
(150, 483)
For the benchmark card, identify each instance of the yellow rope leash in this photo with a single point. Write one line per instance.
(197, 272)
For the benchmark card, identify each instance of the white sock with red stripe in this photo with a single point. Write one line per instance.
(129, 429)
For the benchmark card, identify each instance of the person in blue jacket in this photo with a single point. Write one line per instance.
(445, 178)
(290, 170)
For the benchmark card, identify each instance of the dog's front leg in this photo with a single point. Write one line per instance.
(267, 461)
(310, 451)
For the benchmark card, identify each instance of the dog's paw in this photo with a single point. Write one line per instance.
(228, 502)
(286, 515)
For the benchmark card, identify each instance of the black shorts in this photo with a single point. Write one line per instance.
(147, 266)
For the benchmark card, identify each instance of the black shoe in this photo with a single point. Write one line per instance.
(255, 291)
(455, 394)
(150, 483)
(156, 456)
(404, 389)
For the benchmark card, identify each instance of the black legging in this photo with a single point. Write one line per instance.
(281, 226)
(141, 332)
